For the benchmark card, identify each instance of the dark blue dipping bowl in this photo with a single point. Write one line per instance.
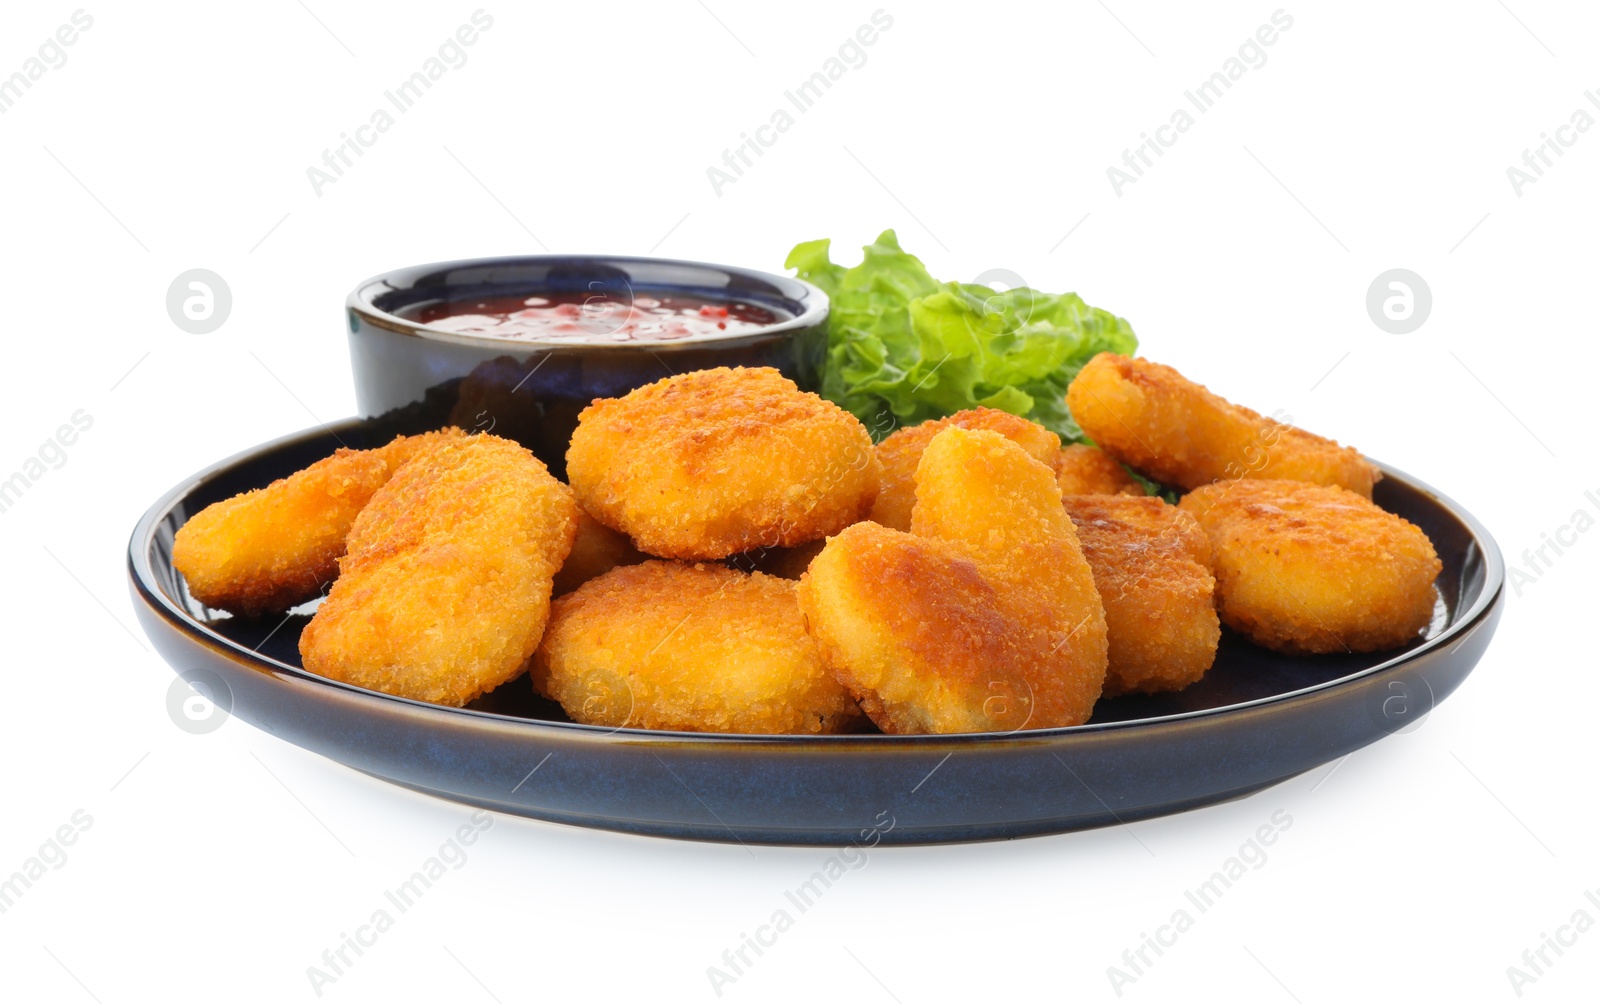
(417, 377)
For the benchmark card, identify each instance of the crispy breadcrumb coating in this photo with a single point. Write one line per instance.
(1305, 568)
(401, 450)
(1151, 565)
(596, 549)
(1174, 430)
(445, 589)
(983, 618)
(902, 449)
(1088, 470)
(269, 549)
(690, 648)
(716, 462)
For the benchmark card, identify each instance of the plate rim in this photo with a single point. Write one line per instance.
(142, 578)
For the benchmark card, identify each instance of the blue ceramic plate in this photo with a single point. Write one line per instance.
(1256, 719)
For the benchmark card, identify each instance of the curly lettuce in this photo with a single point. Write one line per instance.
(904, 347)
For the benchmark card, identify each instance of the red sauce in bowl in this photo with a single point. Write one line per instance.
(589, 317)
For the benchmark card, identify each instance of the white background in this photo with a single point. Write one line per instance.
(1375, 136)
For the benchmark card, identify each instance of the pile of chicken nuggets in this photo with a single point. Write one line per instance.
(732, 554)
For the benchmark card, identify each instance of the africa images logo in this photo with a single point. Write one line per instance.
(1252, 55)
(51, 456)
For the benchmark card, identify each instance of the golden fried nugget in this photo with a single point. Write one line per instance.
(266, 550)
(1305, 568)
(716, 462)
(902, 449)
(983, 618)
(1154, 420)
(445, 589)
(596, 549)
(1088, 470)
(1151, 565)
(403, 449)
(690, 648)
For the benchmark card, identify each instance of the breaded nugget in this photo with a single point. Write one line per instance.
(596, 549)
(445, 589)
(1154, 420)
(1305, 568)
(715, 462)
(1151, 565)
(269, 549)
(1088, 470)
(902, 449)
(689, 648)
(984, 618)
(403, 449)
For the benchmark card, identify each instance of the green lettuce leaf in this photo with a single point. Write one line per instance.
(904, 347)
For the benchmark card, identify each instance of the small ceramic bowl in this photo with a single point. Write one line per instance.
(420, 376)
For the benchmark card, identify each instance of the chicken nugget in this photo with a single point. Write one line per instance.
(902, 449)
(596, 549)
(1151, 565)
(445, 589)
(1154, 420)
(1089, 470)
(267, 550)
(1305, 568)
(689, 648)
(401, 450)
(716, 462)
(983, 618)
